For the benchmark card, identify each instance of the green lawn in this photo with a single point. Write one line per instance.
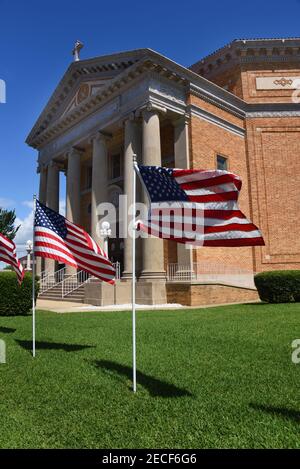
(218, 377)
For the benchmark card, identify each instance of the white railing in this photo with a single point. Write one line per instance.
(73, 282)
(52, 279)
(117, 266)
(209, 272)
(69, 283)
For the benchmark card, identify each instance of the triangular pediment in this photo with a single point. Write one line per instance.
(84, 90)
(82, 80)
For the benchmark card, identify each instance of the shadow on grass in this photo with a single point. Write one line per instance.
(7, 330)
(156, 387)
(291, 414)
(27, 345)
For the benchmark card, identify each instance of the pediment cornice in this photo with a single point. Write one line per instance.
(150, 62)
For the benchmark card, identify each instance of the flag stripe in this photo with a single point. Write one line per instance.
(223, 180)
(41, 246)
(72, 244)
(189, 205)
(8, 255)
(58, 238)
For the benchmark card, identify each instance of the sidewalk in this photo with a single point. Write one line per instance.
(70, 307)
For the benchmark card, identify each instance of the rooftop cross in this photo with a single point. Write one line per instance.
(76, 51)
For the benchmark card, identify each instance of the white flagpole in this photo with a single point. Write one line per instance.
(133, 275)
(33, 280)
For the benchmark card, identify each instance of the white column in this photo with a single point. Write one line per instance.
(99, 183)
(52, 201)
(153, 250)
(181, 149)
(43, 184)
(42, 198)
(73, 192)
(132, 145)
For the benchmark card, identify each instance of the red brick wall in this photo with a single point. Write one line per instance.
(268, 164)
(167, 155)
(240, 80)
(231, 80)
(274, 175)
(206, 141)
(200, 295)
(249, 72)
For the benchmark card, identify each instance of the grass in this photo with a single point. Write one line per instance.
(211, 378)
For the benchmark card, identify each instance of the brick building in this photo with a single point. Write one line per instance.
(235, 109)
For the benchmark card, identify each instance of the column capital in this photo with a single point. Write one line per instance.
(184, 119)
(101, 136)
(54, 164)
(131, 117)
(41, 167)
(74, 151)
(151, 107)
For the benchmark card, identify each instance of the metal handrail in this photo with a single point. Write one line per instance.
(73, 282)
(51, 280)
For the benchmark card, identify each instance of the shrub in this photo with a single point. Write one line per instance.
(15, 299)
(279, 286)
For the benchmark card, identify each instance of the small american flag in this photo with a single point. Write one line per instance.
(196, 207)
(9, 256)
(57, 238)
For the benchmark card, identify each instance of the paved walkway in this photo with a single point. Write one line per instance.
(70, 307)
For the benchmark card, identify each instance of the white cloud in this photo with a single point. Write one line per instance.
(6, 203)
(28, 203)
(25, 231)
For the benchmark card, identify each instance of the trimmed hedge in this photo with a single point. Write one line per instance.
(279, 286)
(16, 299)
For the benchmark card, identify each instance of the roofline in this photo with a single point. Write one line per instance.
(204, 86)
(74, 66)
(243, 42)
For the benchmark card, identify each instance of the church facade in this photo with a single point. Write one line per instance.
(236, 109)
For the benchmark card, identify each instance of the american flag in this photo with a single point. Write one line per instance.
(57, 238)
(197, 207)
(9, 256)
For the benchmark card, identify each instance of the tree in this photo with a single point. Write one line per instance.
(7, 223)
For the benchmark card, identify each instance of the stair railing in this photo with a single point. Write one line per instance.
(73, 282)
(51, 279)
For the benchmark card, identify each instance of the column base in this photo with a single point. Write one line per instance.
(99, 293)
(152, 275)
(126, 276)
(148, 292)
(151, 292)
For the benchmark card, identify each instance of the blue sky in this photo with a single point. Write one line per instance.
(36, 39)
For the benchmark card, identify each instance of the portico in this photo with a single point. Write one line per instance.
(108, 108)
(96, 155)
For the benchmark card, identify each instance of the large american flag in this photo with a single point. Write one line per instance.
(197, 207)
(9, 256)
(57, 238)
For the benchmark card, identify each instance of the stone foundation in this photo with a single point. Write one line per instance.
(153, 292)
(148, 292)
